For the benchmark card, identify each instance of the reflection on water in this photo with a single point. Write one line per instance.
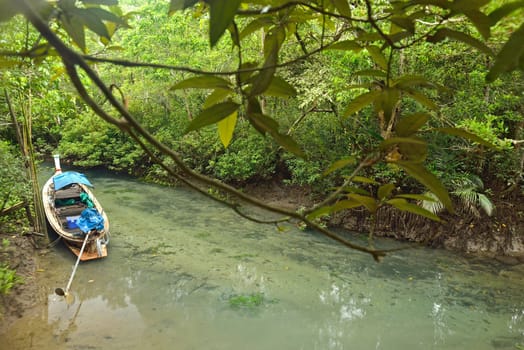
(177, 260)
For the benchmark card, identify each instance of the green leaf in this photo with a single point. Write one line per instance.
(480, 21)
(385, 191)
(429, 180)
(280, 88)
(360, 102)
(105, 15)
(273, 41)
(101, 2)
(226, 128)
(354, 189)
(40, 50)
(176, 5)
(325, 210)
(368, 86)
(422, 99)
(387, 102)
(504, 10)
(339, 164)
(363, 179)
(396, 37)
(218, 95)
(371, 73)
(444, 33)
(343, 7)
(420, 14)
(202, 82)
(445, 4)
(245, 76)
(509, 56)
(409, 80)
(368, 37)
(416, 153)
(404, 205)
(418, 197)
(404, 22)
(432, 204)
(410, 149)
(74, 26)
(114, 48)
(265, 124)
(221, 16)
(255, 25)
(369, 202)
(7, 10)
(111, 29)
(413, 142)
(213, 115)
(345, 204)
(93, 22)
(338, 206)
(234, 34)
(466, 135)
(377, 56)
(465, 5)
(288, 143)
(262, 123)
(410, 124)
(346, 45)
(485, 203)
(264, 78)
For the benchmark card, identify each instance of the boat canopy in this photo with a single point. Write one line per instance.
(70, 177)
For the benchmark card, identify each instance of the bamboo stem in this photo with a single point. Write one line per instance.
(24, 139)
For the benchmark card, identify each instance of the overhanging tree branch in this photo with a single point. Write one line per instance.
(128, 124)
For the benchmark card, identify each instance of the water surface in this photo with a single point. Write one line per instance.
(186, 273)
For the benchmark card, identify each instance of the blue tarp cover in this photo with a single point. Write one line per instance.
(90, 219)
(70, 177)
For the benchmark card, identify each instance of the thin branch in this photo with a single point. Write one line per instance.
(269, 9)
(301, 43)
(374, 24)
(238, 80)
(293, 126)
(259, 221)
(370, 160)
(127, 63)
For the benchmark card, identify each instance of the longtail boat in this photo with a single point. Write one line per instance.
(73, 212)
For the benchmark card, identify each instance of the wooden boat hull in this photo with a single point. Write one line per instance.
(58, 218)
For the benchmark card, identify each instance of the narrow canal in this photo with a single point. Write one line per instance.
(185, 273)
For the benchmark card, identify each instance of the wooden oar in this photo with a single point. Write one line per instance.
(65, 292)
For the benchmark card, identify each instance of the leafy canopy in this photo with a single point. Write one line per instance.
(292, 32)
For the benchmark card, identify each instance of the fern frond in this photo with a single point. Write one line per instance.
(471, 199)
(434, 205)
(486, 204)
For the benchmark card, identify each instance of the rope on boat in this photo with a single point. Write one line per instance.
(99, 246)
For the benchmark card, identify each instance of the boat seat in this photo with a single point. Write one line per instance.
(70, 210)
(72, 191)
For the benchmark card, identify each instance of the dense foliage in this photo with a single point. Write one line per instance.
(14, 185)
(349, 97)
